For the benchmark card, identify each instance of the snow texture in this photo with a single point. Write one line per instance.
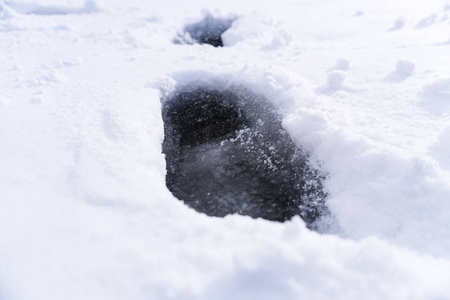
(86, 212)
(399, 24)
(403, 70)
(89, 7)
(342, 64)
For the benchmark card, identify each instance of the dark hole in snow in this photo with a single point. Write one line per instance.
(226, 152)
(207, 31)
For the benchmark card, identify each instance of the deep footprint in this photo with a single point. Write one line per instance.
(207, 31)
(226, 153)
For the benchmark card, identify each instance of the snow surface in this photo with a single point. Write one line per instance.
(363, 86)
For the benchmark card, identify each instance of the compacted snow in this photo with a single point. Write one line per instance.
(361, 87)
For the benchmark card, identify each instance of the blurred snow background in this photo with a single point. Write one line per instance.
(85, 213)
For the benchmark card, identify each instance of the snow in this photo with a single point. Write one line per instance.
(335, 79)
(362, 86)
(440, 150)
(89, 6)
(403, 70)
(342, 64)
(399, 23)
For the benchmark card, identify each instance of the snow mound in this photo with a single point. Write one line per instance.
(398, 24)
(441, 148)
(428, 21)
(436, 96)
(440, 89)
(335, 80)
(6, 12)
(259, 31)
(342, 64)
(403, 70)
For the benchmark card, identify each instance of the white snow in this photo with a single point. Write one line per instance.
(342, 64)
(398, 24)
(441, 149)
(90, 6)
(335, 79)
(85, 213)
